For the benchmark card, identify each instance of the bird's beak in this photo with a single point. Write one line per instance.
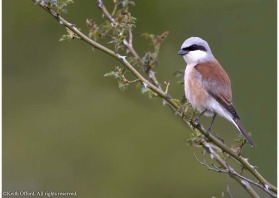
(182, 52)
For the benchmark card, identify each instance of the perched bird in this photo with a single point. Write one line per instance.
(207, 85)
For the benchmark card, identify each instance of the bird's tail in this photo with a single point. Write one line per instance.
(243, 132)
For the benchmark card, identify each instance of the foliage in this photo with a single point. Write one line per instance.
(58, 5)
(69, 36)
(117, 30)
(117, 25)
(150, 59)
(119, 74)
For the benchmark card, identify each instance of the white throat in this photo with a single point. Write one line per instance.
(195, 56)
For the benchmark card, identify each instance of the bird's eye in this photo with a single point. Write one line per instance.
(193, 47)
(197, 47)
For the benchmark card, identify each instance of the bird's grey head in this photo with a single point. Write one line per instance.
(195, 50)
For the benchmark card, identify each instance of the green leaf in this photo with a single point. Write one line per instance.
(122, 85)
(149, 92)
(69, 36)
(111, 73)
(144, 90)
(177, 102)
(62, 4)
(64, 38)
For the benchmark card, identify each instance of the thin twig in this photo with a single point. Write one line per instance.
(238, 158)
(229, 170)
(167, 87)
(244, 183)
(228, 189)
(133, 81)
(129, 45)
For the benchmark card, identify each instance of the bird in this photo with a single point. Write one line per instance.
(207, 85)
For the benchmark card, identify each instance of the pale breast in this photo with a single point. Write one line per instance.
(194, 91)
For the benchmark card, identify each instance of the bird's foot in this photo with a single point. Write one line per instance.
(196, 119)
(208, 131)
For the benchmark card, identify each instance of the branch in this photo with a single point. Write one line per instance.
(243, 161)
(154, 85)
(129, 44)
(229, 170)
(245, 184)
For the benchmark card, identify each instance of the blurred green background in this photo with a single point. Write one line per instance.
(67, 128)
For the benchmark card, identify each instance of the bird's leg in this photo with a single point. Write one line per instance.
(197, 118)
(209, 129)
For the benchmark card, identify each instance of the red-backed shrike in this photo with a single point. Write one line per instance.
(207, 85)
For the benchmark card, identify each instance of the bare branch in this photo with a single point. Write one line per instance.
(228, 169)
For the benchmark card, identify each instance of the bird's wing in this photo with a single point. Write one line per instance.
(217, 83)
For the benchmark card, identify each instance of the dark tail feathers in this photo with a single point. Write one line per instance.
(243, 132)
